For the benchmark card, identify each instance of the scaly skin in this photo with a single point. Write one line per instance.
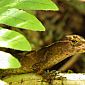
(38, 61)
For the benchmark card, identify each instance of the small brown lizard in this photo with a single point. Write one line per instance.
(38, 61)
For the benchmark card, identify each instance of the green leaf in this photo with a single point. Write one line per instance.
(21, 19)
(14, 40)
(8, 61)
(35, 5)
(5, 3)
(1, 28)
(29, 4)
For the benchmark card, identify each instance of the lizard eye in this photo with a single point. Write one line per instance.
(74, 42)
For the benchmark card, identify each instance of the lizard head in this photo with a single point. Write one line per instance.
(77, 41)
(75, 38)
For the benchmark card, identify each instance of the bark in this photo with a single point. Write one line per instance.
(34, 79)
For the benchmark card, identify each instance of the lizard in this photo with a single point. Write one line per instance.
(44, 58)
